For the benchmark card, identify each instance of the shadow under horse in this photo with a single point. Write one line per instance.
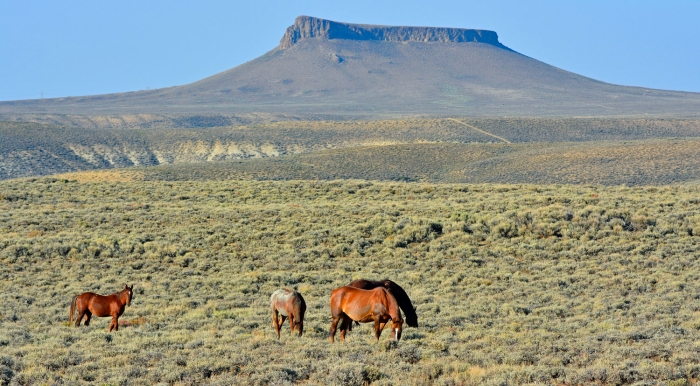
(398, 293)
(288, 303)
(377, 305)
(89, 303)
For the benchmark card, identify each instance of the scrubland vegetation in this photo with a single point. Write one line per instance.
(514, 284)
(31, 148)
(645, 162)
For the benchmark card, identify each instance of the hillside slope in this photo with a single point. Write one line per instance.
(632, 163)
(328, 70)
(29, 149)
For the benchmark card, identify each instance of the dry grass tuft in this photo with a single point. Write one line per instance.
(119, 175)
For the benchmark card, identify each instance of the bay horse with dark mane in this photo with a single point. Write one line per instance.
(399, 294)
(377, 305)
(89, 304)
(287, 303)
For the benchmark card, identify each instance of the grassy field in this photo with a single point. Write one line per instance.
(514, 284)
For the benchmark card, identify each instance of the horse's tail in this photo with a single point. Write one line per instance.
(72, 309)
(404, 303)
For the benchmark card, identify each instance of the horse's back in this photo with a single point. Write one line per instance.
(345, 292)
(278, 294)
(87, 295)
(282, 295)
(362, 284)
(371, 284)
(284, 298)
(85, 298)
(96, 296)
(348, 294)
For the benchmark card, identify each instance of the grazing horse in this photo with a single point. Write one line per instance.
(287, 303)
(376, 305)
(399, 294)
(89, 304)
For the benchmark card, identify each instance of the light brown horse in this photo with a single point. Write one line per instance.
(398, 293)
(89, 304)
(376, 305)
(287, 303)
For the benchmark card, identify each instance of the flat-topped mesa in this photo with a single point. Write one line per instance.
(306, 27)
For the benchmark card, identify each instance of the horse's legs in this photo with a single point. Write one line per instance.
(344, 326)
(276, 323)
(115, 322)
(292, 327)
(88, 314)
(378, 326)
(80, 318)
(83, 312)
(282, 319)
(334, 325)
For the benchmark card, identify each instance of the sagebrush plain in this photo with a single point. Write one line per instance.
(610, 151)
(514, 284)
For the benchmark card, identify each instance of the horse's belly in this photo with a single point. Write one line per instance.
(362, 315)
(99, 310)
(282, 311)
(363, 319)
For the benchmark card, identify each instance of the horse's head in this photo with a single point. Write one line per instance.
(128, 293)
(396, 328)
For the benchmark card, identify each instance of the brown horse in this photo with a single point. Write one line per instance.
(364, 306)
(399, 294)
(287, 303)
(89, 304)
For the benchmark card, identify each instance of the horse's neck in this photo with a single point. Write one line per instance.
(394, 310)
(121, 296)
(393, 306)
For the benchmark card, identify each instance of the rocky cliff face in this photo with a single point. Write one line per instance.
(306, 27)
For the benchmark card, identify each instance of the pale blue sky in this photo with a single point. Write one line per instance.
(71, 48)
